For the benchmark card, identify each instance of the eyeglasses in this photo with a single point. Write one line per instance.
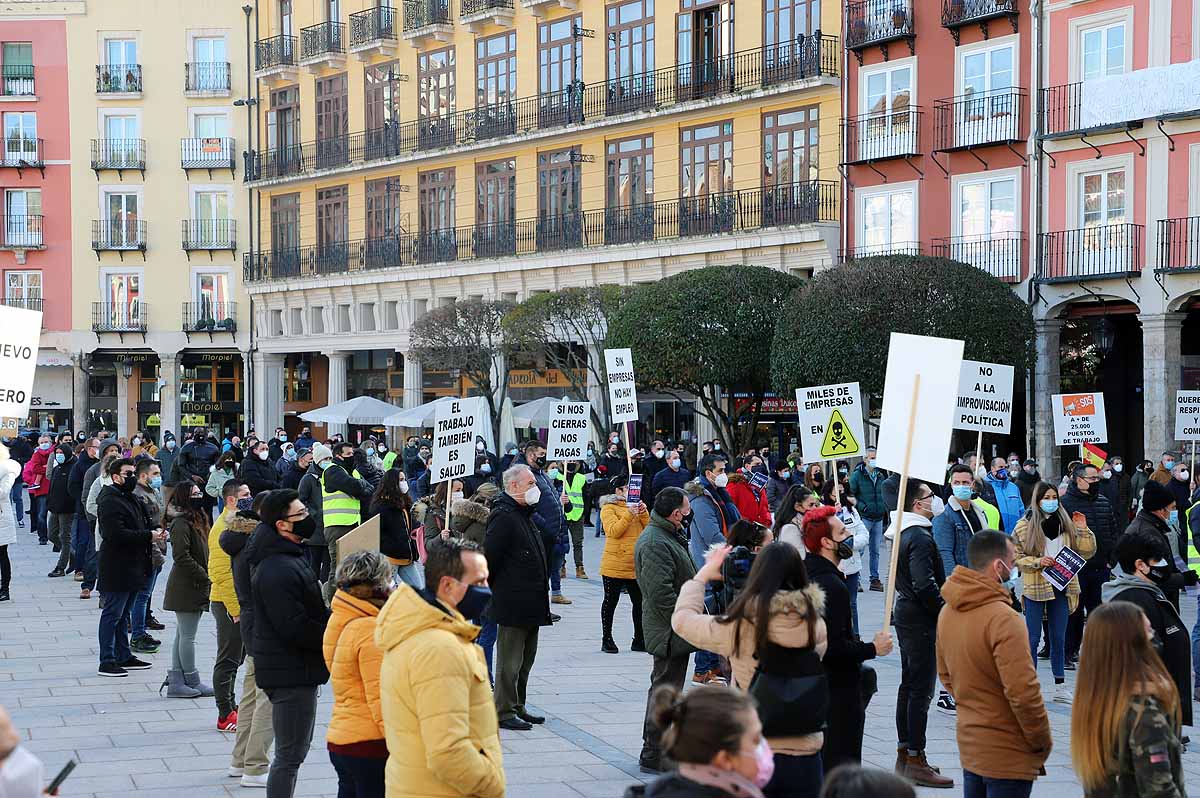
(126, 474)
(1092, 479)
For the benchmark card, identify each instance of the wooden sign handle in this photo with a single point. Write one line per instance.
(890, 590)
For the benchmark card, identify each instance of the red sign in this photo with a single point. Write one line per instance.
(770, 404)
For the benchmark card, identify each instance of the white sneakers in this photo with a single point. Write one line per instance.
(234, 772)
(1062, 694)
(254, 781)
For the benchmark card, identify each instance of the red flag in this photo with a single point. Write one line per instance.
(1093, 455)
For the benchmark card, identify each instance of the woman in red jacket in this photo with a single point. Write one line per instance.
(751, 500)
(34, 475)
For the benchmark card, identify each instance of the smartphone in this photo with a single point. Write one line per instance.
(53, 786)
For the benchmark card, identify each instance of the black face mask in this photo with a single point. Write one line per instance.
(305, 528)
(128, 484)
(1158, 574)
(845, 550)
(347, 463)
(541, 462)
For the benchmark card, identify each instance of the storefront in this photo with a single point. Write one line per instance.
(778, 424)
(53, 397)
(212, 391)
(108, 372)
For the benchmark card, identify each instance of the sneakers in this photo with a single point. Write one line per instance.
(515, 724)
(235, 773)
(56, 573)
(555, 618)
(1071, 663)
(1062, 694)
(111, 669)
(135, 664)
(710, 677)
(946, 705)
(254, 781)
(144, 645)
(918, 770)
(609, 646)
(580, 573)
(228, 723)
(4, 594)
(153, 623)
(560, 599)
(1044, 653)
(43, 543)
(79, 576)
(876, 586)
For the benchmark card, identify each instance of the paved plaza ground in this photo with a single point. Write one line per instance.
(132, 743)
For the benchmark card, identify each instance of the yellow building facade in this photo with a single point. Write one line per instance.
(407, 156)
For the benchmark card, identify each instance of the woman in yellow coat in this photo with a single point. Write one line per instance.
(622, 526)
(356, 740)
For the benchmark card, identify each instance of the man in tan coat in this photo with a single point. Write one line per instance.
(983, 659)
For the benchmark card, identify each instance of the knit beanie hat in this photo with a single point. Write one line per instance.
(321, 452)
(1156, 497)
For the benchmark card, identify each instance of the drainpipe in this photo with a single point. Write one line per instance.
(1035, 98)
(247, 368)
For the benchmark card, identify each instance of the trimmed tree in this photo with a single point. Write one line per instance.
(836, 328)
(583, 316)
(708, 332)
(468, 337)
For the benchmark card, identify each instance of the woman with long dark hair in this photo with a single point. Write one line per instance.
(393, 505)
(434, 517)
(796, 502)
(188, 588)
(774, 625)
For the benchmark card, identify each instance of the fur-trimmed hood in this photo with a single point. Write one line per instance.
(470, 510)
(797, 602)
(607, 500)
(242, 523)
(694, 488)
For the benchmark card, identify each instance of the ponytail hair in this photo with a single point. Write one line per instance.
(702, 723)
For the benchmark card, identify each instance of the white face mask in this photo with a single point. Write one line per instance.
(263, 455)
(937, 505)
(1183, 475)
(532, 495)
(1118, 467)
(660, 453)
(404, 486)
(458, 494)
(136, 442)
(721, 480)
(673, 463)
(479, 446)
(21, 774)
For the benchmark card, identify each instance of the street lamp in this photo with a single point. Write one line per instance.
(127, 368)
(1104, 334)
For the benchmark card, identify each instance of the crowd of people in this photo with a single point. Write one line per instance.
(746, 567)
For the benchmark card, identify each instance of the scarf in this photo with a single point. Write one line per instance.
(1051, 526)
(736, 785)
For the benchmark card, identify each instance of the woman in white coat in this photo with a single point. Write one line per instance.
(10, 471)
(851, 568)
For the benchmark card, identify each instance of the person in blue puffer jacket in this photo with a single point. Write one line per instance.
(1002, 493)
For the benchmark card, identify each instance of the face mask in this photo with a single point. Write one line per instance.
(304, 528)
(716, 447)
(486, 468)
(370, 450)
(1049, 506)
(282, 437)
(128, 485)
(1013, 465)
(784, 474)
(532, 495)
(1183, 475)
(844, 550)
(871, 463)
(404, 486)
(245, 504)
(60, 458)
(156, 482)
(1106, 475)
(198, 437)
(843, 471)
(1012, 473)
(1118, 467)
(458, 494)
(347, 463)
(553, 473)
(1168, 464)
(765, 759)
(936, 505)
(660, 453)
(21, 774)
(513, 452)
(1174, 518)
(170, 444)
(43, 446)
(381, 449)
(614, 438)
(673, 463)
(1029, 469)
(721, 480)
(474, 602)
(479, 446)
(1010, 581)
(1001, 475)
(1158, 571)
(962, 492)
(136, 442)
(325, 464)
(263, 455)
(289, 454)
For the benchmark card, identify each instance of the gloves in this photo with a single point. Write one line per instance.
(1190, 578)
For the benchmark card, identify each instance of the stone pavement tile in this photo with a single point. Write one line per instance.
(308, 786)
(611, 772)
(545, 774)
(129, 737)
(173, 779)
(136, 753)
(193, 791)
(608, 788)
(530, 760)
(78, 783)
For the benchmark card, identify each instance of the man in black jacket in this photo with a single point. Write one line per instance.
(289, 625)
(124, 565)
(61, 518)
(195, 459)
(519, 564)
(83, 543)
(258, 472)
(919, 579)
(1084, 496)
(1158, 504)
(829, 542)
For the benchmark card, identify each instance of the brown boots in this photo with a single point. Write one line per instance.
(916, 768)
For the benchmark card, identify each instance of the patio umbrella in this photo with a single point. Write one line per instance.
(359, 410)
(416, 417)
(536, 413)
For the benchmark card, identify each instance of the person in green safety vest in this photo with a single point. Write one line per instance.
(965, 514)
(343, 494)
(573, 484)
(389, 455)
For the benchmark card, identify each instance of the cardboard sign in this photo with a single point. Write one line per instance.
(633, 492)
(985, 392)
(939, 362)
(454, 425)
(568, 431)
(758, 480)
(18, 359)
(831, 421)
(622, 387)
(9, 427)
(1187, 415)
(1066, 565)
(1079, 418)
(364, 537)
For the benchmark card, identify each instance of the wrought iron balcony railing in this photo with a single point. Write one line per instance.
(118, 154)
(326, 38)
(988, 117)
(21, 151)
(871, 22)
(879, 136)
(956, 13)
(277, 51)
(210, 317)
(118, 317)
(24, 302)
(209, 234)
(999, 255)
(206, 153)
(118, 234)
(118, 78)
(23, 231)
(207, 76)
(467, 8)
(422, 13)
(16, 80)
(881, 250)
(373, 25)
(1179, 244)
(1111, 250)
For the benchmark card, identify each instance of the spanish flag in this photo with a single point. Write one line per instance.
(1093, 455)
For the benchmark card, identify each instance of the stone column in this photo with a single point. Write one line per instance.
(168, 396)
(79, 395)
(1162, 335)
(414, 382)
(268, 392)
(1046, 381)
(339, 365)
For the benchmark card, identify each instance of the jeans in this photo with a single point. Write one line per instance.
(293, 714)
(516, 650)
(62, 532)
(1056, 611)
(359, 776)
(255, 729)
(141, 607)
(918, 673)
(229, 657)
(85, 550)
(666, 670)
(38, 508)
(113, 633)
(557, 558)
(411, 575)
(183, 650)
(5, 568)
(875, 528)
(17, 494)
(608, 608)
(795, 777)
(487, 641)
(1090, 582)
(985, 787)
(852, 586)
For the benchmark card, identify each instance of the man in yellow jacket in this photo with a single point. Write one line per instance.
(225, 609)
(443, 736)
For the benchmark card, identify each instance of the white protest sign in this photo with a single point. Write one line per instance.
(1187, 415)
(18, 359)
(622, 387)
(1079, 418)
(985, 393)
(568, 431)
(454, 425)
(831, 421)
(938, 362)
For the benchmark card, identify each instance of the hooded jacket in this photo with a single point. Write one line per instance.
(260, 475)
(1148, 522)
(124, 558)
(1005, 496)
(236, 542)
(438, 712)
(919, 573)
(983, 660)
(353, 660)
(751, 502)
(468, 519)
(188, 585)
(35, 474)
(622, 528)
(1171, 637)
(787, 627)
(663, 564)
(867, 487)
(60, 477)
(712, 515)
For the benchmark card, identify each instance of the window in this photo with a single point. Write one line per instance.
(120, 52)
(704, 34)
(332, 224)
(435, 97)
(891, 126)
(285, 223)
(366, 317)
(790, 143)
(212, 217)
(560, 223)
(435, 200)
(122, 297)
(630, 39)
(211, 126)
(789, 22)
(211, 383)
(285, 18)
(496, 207)
(210, 72)
(706, 153)
(333, 122)
(23, 218)
(1102, 51)
(20, 137)
(121, 134)
(283, 130)
(560, 72)
(630, 172)
(391, 315)
(1102, 198)
(986, 223)
(343, 318)
(296, 321)
(383, 210)
(23, 290)
(212, 296)
(316, 321)
(496, 69)
(380, 95)
(988, 108)
(887, 220)
(18, 68)
(121, 215)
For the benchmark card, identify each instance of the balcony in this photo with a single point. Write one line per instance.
(118, 235)
(999, 255)
(1178, 245)
(209, 317)
(209, 234)
(879, 22)
(207, 79)
(120, 317)
(119, 155)
(275, 59)
(1103, 251)
(476, 15)
(118, 81)
(976, 120)
(16, 80)
(207, 153)
(22, 232)
(748, 210)
(323, 46)
(427, 21)
(540, 8)
(23, 302)
(373, 32)
(880, 136)
(22, 153)
(902, 248)
(1065, 113)
(956, 13)
(813, 58)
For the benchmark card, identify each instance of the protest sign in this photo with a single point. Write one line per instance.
(984, 397)
(1187, 415)
(622, 387)
(831, 421)
(633, 492)
(454, 425)
(1079, 418)
(18, 359)
(568, 436)
(1066, 565)
(364, 537)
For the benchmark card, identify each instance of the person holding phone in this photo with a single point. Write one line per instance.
(1043, 532)
(623, 525)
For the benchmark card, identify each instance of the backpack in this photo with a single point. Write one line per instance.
(792, 691)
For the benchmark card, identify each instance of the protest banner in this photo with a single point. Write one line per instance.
(454, 430)
(622, 392)
(1067, 564)
(568, 436)
(985, 392)
(18, 359)
(1079, 418)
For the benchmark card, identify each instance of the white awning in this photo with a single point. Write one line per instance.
(52, 357)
